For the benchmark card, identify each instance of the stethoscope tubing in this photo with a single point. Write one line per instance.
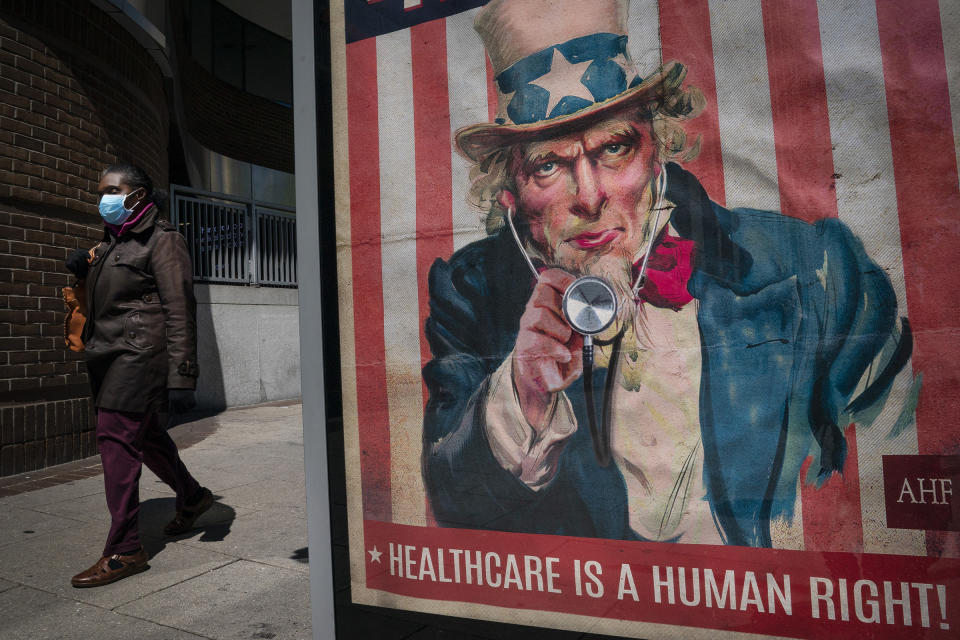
(600, 433)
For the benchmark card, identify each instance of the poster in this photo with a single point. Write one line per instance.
(763, 440)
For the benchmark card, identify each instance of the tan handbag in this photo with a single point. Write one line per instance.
(75, 298)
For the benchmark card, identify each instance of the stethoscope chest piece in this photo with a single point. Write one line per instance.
(589, 305)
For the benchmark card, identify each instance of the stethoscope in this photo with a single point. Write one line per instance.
(590, 306)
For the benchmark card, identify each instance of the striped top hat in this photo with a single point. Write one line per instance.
(557, 63)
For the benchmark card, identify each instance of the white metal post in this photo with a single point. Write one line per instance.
(311, 336)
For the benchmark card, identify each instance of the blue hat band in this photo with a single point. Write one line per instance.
(567, 78)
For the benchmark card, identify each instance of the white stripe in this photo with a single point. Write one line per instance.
(467, 73)
(950, 27)
(859, 131)
(643, 28)
(398, 222)
(867, 203)
(743, 101)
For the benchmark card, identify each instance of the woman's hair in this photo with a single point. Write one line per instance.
(496, 171)
(136, 177)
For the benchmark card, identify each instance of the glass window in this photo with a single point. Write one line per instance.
(227, 45)
(240, 52)
(269, 64)
(200, 33)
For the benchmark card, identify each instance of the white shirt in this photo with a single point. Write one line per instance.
(655, 428)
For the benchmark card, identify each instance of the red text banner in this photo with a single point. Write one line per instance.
(775, 592)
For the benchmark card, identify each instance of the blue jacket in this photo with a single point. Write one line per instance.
(791, 315)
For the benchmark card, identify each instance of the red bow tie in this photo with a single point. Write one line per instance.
(668, 271)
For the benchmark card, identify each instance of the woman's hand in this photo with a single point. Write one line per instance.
(181, 400)
(78, 262)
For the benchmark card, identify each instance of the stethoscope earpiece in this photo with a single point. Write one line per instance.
(642, 273)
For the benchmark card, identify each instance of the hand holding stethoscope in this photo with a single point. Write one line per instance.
(548, 353)
(554, 344)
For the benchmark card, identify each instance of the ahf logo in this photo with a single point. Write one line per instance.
(919, 492)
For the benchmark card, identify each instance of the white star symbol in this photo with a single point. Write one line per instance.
(375, 555)
(563, 80)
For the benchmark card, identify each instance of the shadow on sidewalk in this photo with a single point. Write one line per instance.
(157, 512)
(301, 555)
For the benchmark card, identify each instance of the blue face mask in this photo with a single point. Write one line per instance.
(112, 210)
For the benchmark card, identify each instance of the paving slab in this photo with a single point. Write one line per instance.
(88, 508)
(30, 613)
(240, 600)
(256, 434)
(5, 584)
(223, 469)
(267, 493)
(157, 509)
(73, 550)
(269, 536)
(20, 525)
(252, 428)
(150, 482)
(48, 495)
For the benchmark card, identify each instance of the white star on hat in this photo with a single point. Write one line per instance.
(375, 555)
(564, 79)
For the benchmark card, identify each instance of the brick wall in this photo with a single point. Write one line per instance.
(76, 93)
(43, 434)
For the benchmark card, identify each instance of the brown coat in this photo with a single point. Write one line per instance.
(141, 329)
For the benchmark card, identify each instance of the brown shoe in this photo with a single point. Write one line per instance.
(110, 569)
(186, 516)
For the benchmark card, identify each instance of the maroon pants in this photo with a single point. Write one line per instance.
(126, 441)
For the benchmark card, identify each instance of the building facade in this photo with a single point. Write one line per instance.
(87, 84)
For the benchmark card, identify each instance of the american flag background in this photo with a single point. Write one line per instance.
(829, 108)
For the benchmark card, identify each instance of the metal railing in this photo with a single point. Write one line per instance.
(276, 249)
(236, 240)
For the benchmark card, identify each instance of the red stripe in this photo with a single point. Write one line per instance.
(832, 519)
(798, 100)
(928, 199)
(801, 131)
(373, 415)
(685, 36)
(431, 128)
(491, 90)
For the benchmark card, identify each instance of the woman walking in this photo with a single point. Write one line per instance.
(140, 348)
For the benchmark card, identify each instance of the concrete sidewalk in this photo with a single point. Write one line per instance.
(242, 573)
